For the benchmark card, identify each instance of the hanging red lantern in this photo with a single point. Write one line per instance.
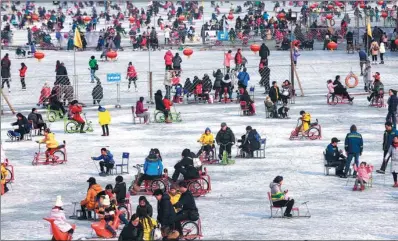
(329, 16)
(111, 54)
(380, 2)
(132, 20)
(38, 55)
(330, 6)
(87, 19)
(181, 18)
(384, 14)
(187, 52)
(281, 15)
(255, 48)
(332, 45)
(35, 17)
(313, 6)
(362, 5)
(230, 16)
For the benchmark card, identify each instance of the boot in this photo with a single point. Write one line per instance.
(380, 171)
(362, 187)
(368, 98)
(395, 184)
(81, 128)
(355, 188)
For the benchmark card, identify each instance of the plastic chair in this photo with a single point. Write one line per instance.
(125, 163)
(260, 153)
(135, 116)
(58, 235)
(271, 206)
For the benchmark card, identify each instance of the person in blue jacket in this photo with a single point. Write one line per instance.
(353, 147)
(153, 169)
(107, 161)
(335, 157)
(243, 79)
(265, 16)
(363, 57)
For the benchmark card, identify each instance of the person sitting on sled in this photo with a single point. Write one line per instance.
(58, 214)
(305, 122)
(107, 213)
(51, 143)
(153, 169)
(207, 141)
(4, 173)
(185, 167)
(279, 198)
(107, 161)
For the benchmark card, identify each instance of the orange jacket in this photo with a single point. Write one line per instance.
(92, 192)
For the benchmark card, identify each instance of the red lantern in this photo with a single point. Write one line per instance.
(255, 48)
(396, 42)
(181, 18)
(332, 45)
(35, 17)
(330, 6)
(38, 55)
(230, 16)
(313, 6)
(329, 16)
(87, 19)
(380, 2)
(132, 20)
(187, 52)
(362, 5)
(281, 15)
(384, 14)
(339, 4)
(111, 54)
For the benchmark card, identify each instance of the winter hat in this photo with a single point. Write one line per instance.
(353, 128)
(92, 180)
(207, 129)
(58, 201)
(158, 192)
(249, 128)
(173, 186)
(278, 179)
(186, 153)
(141, 99)
(106, 201)
(119, 179)
(46, 84)
(223, 124)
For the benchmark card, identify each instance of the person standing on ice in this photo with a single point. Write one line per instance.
(353, 147)
(243, 79)
(393, 154)
(93, 67)
(5, 72)
(227, 60)
(166, 213)
(363, 58)
(107, 161)
(104, 119)
(388, 137)
(58, 214)
(168, 60)
(392, 107)
(132, 76)
(22, 73)
(279, 198)
(238, 60)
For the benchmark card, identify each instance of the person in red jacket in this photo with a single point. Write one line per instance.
(76, 109)
(22, 73)
(140, 111)
(168, 60)
(238, 60)
(167, 103)
(131, 75)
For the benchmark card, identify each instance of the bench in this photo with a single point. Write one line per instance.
(272, 207)
(135, 116)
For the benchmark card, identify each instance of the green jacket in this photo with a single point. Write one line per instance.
(92, 63)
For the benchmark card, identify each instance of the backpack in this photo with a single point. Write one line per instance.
(257, 137)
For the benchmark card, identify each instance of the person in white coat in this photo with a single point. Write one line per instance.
(58, 214)
(382, 50)
(167, 35)
(393, 154)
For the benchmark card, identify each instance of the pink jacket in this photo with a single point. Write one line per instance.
(168, 58)
(363, 173)
(139, 109)
(227, 60)
(331, 87)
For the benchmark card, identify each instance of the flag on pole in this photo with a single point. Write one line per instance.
(77, 41)
(369, 29)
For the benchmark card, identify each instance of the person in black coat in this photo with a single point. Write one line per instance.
(246, 97)
(144, 206)
(207, 85)
(133, 230)
(61, 75)
(23, 125)
(177, 62)
(225, 138)
(185, 167)
(37, 120)
(265, 73)
(275, 95)
(188, 86)
(55, 104)
(187, 204)
(249, 141)
(160, 106)
(166, 214)
(97, 93)
(264, 52)
(392, 107)
(340, 89)
(120, 190)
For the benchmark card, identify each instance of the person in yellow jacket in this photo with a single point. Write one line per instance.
(207, 141)
(51, 143)
(104, 119)
(305, 121)
(174, 195)
(4, 173)
(148, 225)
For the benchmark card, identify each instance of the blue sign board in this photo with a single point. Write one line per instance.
(113, 77)
(222, 35)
